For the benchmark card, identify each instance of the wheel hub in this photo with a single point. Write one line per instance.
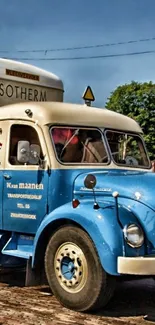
(71, 267)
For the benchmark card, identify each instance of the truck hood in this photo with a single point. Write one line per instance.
(136, 185)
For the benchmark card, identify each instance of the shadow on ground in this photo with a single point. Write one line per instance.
(13, 277)
(133, 298)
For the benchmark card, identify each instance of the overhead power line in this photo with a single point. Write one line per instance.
(81, 47)
(83, 57)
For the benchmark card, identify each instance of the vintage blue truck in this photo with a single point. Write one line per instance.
(77, 199)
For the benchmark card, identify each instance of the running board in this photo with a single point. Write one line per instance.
(19, 246)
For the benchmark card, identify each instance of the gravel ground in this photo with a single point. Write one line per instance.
(25, 305)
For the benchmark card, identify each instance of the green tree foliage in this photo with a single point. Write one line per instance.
(137, 100)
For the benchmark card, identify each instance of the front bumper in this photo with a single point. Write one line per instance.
(136, 265)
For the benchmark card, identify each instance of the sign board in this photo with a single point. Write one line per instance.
(88, 95)
(14, 91)
(20, 74)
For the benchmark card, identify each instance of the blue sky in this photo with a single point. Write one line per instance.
(49, 24)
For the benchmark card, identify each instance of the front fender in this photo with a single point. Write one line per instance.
(101, 225)
(145, 216)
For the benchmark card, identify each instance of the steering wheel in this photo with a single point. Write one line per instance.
(131, 161)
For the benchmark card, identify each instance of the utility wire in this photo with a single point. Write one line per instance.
(81, 47)
(83, 57)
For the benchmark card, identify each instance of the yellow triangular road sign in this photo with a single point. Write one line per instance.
(88, 94)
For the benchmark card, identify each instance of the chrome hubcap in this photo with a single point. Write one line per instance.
(71, 267)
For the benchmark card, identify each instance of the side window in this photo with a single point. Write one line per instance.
(21, 133)
(73, 145)
(127, 149)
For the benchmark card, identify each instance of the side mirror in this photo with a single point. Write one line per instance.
(34, 154)
(23, 150)
(90, 181)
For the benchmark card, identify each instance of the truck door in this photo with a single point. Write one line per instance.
(25, 189)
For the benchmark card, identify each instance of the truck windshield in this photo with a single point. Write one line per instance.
(79, 145)
(127, 149)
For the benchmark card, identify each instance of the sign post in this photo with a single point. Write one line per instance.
(88, 96)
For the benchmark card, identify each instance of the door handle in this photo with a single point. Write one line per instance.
(7, 176)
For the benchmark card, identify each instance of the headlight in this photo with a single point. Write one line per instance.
(133, 235)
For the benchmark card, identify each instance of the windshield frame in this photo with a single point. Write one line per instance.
(130, 134)
(80, 163)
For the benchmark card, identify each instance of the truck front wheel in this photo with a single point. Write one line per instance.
(74, 272)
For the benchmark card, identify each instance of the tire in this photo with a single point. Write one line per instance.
(74, 272)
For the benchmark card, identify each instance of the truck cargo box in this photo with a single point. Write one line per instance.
(20, 82)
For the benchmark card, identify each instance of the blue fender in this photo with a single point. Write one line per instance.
(101, 225)
(145, 216)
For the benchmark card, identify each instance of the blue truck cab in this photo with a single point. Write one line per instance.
(76, 199)
(77, 205)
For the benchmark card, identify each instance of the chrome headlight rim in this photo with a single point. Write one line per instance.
(125, 231)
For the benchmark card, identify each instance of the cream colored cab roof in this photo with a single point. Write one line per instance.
(46, 113)
(46, 79)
